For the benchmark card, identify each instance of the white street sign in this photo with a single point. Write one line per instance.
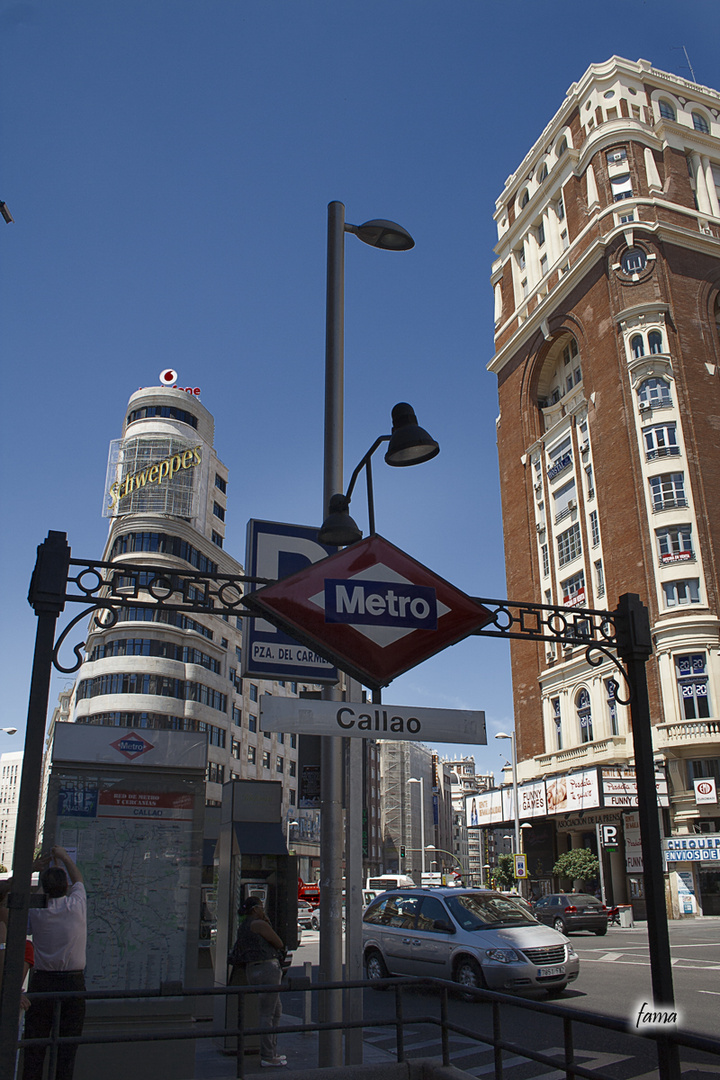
(365, 721)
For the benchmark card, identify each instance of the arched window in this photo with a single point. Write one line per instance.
(562, 147)
(524, 198)
(584, 713)
(654, 392)
(667, 112)
(637, 345)
(542, 174)
(700, 123)
(655, 341)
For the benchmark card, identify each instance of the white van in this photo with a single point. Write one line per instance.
(389, 881)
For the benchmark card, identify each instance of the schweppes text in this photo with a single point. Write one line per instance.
(155, 474)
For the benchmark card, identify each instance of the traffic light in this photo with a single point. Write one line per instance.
(402, 852)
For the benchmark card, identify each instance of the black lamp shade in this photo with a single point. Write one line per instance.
(409, 443)
(338, 529)
(385, 234)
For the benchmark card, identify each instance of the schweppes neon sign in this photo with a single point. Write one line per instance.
(154, 474)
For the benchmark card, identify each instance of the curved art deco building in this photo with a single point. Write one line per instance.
(607, 355)
(166, 497)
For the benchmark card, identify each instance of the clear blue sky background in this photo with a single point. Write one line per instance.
(169, 163)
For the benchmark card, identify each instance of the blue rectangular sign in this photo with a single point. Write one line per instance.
(380, 603)
(275, 550)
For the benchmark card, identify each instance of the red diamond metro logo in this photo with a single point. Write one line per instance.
(371, 609)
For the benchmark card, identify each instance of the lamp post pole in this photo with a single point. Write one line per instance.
(415, 780)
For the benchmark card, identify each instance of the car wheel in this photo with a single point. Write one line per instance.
(601, 931)
(557, 991)
(559, 925)
(376, 969)
(315, 922)
(469, 973)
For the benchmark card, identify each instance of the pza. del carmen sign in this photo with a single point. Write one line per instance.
(371, 609)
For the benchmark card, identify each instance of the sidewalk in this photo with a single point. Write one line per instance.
(301, 1049)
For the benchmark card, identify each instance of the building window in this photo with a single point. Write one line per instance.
(692, 685)
(627, 217)
(675, 543)
(252, 723)
(700, 123)
(637, 346)
(667, 111)
(616, 157)
(562, 146)
(253, 692)
(599, 578)
(573, 590)
(590, 482)
(661, 441)
(565, 500)
(540, 234)
(611, 690)
(236, 716)
(293, 742)
(524, 198)
(521, 258)
(217, 538)
(584, 714)
(279, 764)
(668, 491)
(524, 287)
(292, 768)
(679, 593)
(542, 173)
(291, 797)
(621, 187)
(569, 545)
(251, 755)
(215, 773)
(543, 266)
(220, 484)
(655, 341)
(564, 240)
(594, 529)
(545, 560)
(655, 393)
(633, 261)
(704, 769)
(218, 511)
(558, 722)
(266, 759)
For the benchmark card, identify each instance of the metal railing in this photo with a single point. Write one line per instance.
(668, 1041)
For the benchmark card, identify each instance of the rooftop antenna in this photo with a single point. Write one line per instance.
(688, 60)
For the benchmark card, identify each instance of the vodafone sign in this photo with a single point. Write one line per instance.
(371, 609)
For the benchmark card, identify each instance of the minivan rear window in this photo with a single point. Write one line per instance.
(473, 911)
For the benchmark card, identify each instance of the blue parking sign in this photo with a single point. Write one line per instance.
(275, 550)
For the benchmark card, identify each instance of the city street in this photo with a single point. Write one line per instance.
(614, 981)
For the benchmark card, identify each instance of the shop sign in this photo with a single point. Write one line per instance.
(561, 464)
(633, 843)
(576, 600)
(705, 790)
(620, 787)
(692, 848)
(483, 809)
(574, 791)
(531, 799)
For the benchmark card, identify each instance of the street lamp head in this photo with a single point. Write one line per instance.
(526, 825)
(414, 780)
(338, 529)
(383, 234)
(409, 443)
(503, 735)
(10, 730)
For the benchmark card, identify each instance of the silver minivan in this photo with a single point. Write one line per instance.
(476, 937)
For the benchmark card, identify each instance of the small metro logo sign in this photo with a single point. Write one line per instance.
(132, 745)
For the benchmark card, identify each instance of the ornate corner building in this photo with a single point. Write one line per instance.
(607, 355)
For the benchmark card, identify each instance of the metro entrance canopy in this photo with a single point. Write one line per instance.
(371, 609)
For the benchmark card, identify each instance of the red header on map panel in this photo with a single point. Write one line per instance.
(371, 609)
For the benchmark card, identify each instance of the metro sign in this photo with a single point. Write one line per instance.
(371, 609)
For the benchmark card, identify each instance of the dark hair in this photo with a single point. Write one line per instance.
(54, 881)
(249, 903)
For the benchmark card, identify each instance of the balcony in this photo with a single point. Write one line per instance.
(682, 732)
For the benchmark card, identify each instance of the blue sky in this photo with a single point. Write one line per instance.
(169, 163)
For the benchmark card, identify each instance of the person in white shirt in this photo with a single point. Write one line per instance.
(59, 934)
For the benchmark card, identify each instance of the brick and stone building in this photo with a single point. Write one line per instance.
(607, 356)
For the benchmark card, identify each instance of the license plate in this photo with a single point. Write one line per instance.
(548, 972)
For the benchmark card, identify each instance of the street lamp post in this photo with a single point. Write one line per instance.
(444, 851)
(421, 782)
(511, 737)
(389, 236)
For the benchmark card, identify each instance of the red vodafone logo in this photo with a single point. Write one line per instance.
(371, 609)
(168, 377)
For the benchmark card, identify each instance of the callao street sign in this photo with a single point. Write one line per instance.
(360, 720)
(371, 609)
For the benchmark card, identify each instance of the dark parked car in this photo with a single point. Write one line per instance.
(572, 911)
(476, 937)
